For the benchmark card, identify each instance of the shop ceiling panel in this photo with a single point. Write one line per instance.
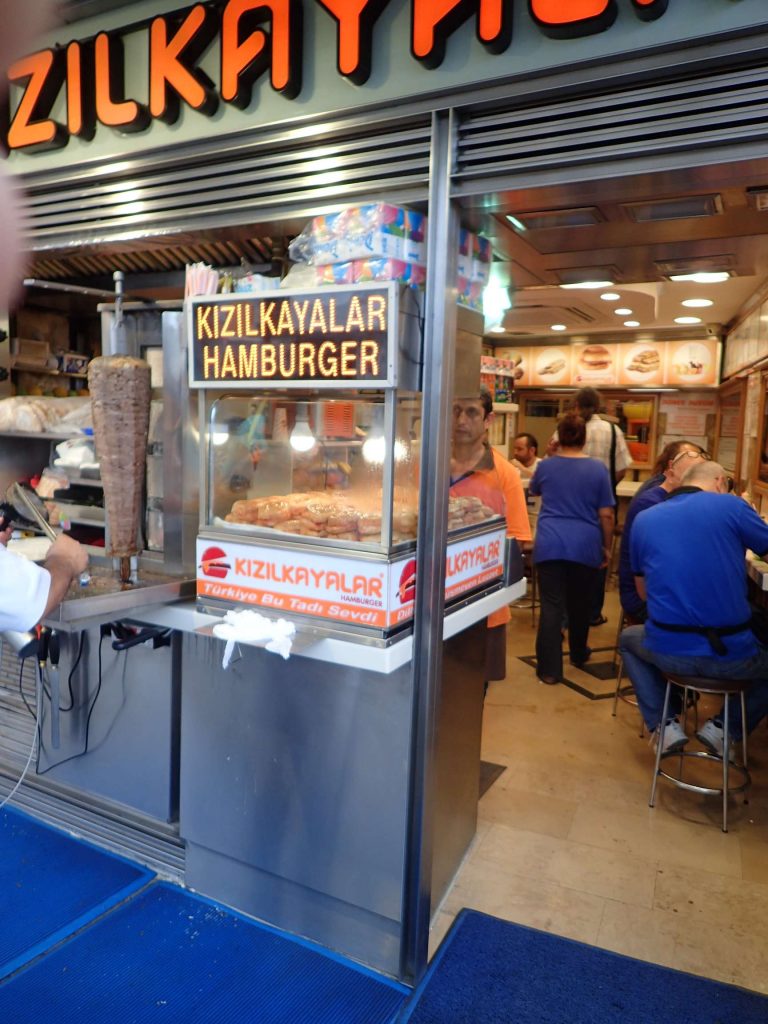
(641, 124)
(199, 188)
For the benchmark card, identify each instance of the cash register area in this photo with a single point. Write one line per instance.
(566, 841)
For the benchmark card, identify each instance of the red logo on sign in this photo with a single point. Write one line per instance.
(213, 563)
(407, 589)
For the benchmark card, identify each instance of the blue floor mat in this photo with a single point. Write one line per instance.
(51, 884)
(169, 956)
(489, 971)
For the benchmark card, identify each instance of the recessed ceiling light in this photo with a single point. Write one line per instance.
(516, 224)
(705, 277)
(631, 323)
(498, 329)
(697, 303)
(687, 320)
(610, 296)
(559, 327)
(588, 284)
(622, 311)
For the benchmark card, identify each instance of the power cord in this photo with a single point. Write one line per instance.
(72, 757)
(29, 760)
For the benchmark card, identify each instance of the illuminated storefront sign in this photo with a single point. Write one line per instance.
(336, 586)
(330, 338)
(254, 40)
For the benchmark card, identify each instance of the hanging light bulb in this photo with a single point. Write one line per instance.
(302, 439)
(375, 445)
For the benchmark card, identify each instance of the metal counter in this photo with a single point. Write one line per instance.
(294, 775)
(106, 598)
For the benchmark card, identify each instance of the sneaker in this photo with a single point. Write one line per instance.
(674, 738)
(711, 736)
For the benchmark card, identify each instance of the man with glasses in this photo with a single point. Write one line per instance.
(688, 556)
(478, 470)
(675, 460)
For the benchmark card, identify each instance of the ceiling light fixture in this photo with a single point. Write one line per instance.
(610, 296)
(631, 323)
(516, 224)
(622, 311)
(588, 284)
(697, 303)
(559, 327)
(687, 320)
(704, 277)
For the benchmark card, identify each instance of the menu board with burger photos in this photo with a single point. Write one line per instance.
(634, 364)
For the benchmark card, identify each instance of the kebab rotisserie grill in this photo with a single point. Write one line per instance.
(120, 396)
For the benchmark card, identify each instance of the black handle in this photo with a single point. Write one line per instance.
(159, 637)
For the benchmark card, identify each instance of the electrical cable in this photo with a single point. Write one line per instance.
(29, 759)
(70, 677)
(21, 690)
(72, 757)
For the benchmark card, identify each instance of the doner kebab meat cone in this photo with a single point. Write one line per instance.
(120, 394)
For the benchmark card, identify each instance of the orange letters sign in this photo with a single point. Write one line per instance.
(256, 38)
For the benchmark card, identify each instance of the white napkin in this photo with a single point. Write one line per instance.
(251, 628)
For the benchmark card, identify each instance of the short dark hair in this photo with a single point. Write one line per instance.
(485, 398)
(530, 440)
(572, 431)
(588, 399)
(669, 451)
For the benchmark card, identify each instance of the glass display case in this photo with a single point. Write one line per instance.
(341, 470)
(310, 415)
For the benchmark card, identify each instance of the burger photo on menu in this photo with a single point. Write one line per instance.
(553, 366)
(595, 357)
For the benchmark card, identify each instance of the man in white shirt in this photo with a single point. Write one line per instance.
(602, 436)
(29, 592)
(526, 457)
(605, 442)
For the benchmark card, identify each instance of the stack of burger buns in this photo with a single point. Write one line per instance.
(339, 517)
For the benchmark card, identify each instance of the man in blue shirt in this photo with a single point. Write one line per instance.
(676, 460)
(688, 556)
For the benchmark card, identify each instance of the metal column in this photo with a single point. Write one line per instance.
(439, 344)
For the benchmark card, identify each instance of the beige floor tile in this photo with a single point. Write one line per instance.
(530, 811)
(572, 865)
(535, 902)
(639, 932)
(706, 899)
(654, 834)
(754, 859)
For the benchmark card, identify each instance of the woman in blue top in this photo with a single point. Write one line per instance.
(573, 540)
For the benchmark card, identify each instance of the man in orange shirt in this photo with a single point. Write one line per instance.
(478, 470)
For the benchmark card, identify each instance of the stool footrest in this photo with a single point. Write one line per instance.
(692, 787)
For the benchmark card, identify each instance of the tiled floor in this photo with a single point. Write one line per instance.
(566, 841)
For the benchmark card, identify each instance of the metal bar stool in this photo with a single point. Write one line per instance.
(724, 688)
(530, 576)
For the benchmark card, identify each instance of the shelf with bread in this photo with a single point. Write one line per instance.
(44, 371)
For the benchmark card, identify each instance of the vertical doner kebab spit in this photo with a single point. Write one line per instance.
(120, 394)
